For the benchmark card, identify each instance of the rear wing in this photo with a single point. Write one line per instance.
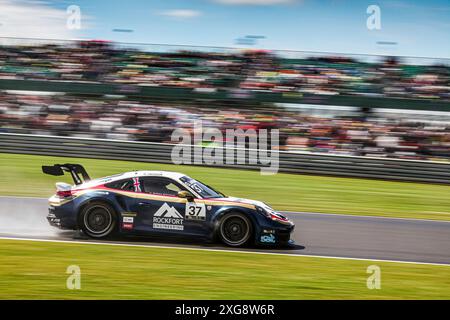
(75, 171)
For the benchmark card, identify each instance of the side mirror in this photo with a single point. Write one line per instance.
(186, 194)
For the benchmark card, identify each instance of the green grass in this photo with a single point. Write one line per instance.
(37, 270)
(21, 175)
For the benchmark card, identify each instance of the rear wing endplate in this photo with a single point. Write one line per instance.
(77, 171)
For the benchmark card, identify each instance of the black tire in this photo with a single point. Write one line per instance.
(98, 220)
(235, 229)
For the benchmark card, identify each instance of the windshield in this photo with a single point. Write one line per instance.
(203, 190)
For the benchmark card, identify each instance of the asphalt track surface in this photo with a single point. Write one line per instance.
(326, 235)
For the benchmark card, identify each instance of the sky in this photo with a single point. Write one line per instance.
(411, 28)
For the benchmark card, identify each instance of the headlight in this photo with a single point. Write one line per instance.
(263, 211)
(272, 215)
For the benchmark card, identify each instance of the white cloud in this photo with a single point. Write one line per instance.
(33, 19)
(254, 2)
(181, 13)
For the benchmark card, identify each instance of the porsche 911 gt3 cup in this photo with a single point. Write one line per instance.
(160, 203)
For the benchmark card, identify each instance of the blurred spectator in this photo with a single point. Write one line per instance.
(399, 134)
(256, 70)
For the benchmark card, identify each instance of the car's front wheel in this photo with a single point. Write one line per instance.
(98, 220)
(235, 229)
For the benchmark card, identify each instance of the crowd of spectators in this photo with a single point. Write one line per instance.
(254, 70)
(356, 132)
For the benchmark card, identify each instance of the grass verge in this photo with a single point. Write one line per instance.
(37, 270)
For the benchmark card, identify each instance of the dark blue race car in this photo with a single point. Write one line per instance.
(160, 203)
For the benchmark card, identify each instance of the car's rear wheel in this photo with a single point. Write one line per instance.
(98, 220)
(235, 229)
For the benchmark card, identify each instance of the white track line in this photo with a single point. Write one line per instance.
(220, 250)
(363, 216)
(294, 212)
(23, 197)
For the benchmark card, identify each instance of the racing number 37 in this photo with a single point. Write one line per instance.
(195, 211)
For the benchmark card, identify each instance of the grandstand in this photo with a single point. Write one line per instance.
(131, 92)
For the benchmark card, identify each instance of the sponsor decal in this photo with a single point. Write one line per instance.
(129, 214)
(137, 185)
(196, 188)
(127, 223)
(195, 211)
(268, 238)
(128, 219)
(127, 226)
(168, 217)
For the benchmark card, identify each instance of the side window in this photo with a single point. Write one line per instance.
(125, 185)
(161, 185)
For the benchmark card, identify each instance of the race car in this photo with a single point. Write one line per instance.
(160, 203)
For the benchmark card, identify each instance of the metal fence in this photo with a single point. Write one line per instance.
(291, 162)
